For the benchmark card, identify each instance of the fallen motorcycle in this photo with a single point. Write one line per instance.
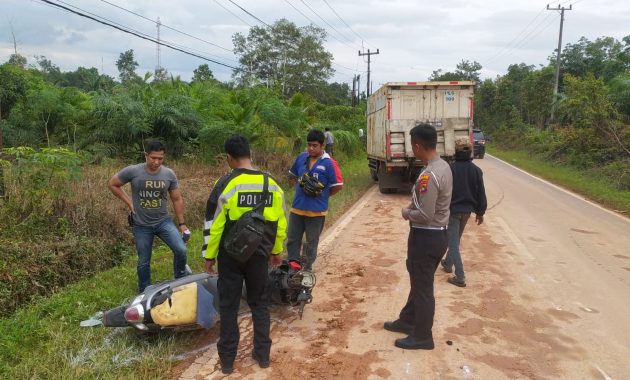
(290, 284)
(192, 302)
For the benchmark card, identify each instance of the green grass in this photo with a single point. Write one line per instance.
(583, 182)
(44, 340)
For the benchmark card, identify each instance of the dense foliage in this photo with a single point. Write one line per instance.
(591, 124)
(60, 131)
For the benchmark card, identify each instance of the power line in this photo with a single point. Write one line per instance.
(532, 36)
(167, 27)
(332, 62)
(140, 35)
(249, 13)
(516, 38)
(139, 32)
(342, 20)
(233, 14)
(507, 51)
(326, 22)
(314, 23)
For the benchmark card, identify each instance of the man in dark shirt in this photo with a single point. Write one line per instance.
(469, 195)
(233, 195)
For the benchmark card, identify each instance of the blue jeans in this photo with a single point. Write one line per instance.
(456, 225)
(144, 245)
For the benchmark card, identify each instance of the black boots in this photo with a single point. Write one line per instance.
(411, 343)
(262, 363)
(399, 326)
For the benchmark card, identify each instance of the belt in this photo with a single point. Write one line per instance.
(426, 227)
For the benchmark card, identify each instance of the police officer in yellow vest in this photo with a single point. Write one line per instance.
(235, 194)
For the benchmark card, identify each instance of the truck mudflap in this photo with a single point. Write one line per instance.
(391, 179)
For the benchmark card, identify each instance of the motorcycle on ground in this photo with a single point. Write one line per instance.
(192, 302)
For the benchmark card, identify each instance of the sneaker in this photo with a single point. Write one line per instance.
(398, 326)
(445, 268)
(457, 282)
(227, 370)
(261, 363)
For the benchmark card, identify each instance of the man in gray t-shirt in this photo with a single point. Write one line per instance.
(151, 183)
(329, 140)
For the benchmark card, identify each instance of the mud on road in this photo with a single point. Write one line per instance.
(506, 323)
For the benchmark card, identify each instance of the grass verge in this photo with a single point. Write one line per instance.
(583, 182)
(44, 340)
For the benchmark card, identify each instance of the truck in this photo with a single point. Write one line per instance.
(395, 108)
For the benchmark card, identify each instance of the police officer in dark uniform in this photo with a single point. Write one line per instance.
(233, 195)
(428, 218)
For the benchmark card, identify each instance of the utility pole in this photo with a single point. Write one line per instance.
(158, 64)
(368, 70)
(555, 89)
(354, 88)
(358, 88)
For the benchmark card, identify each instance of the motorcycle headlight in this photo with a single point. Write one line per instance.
(308, 279)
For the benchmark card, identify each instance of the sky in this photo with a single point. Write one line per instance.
(413, 37)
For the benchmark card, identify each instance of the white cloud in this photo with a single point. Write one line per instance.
(415, 37)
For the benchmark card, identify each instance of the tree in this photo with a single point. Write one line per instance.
(160, 75)
(538, 95)
(87, 80)
(619, 89)
(52, 73)
(440, 75)
(484, 99)
(13, 88)
(586, 105)
(127, 67)
(284, 55)
(76, 110)
(118, 124)
(465, 71)
(605, 57)
(17, 59)
(47, 107)
(334, 93)
(202, 74)
(468, 70)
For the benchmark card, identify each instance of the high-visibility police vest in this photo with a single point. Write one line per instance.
(233, 195)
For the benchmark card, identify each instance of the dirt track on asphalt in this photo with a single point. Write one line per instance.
(548, 287)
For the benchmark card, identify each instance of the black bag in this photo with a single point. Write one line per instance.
(246, 234)
(310, 185)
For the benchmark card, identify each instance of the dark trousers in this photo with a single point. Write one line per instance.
(425, 248)
(230, 286)
(299, 225)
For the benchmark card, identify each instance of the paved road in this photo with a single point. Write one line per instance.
(548, 295)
